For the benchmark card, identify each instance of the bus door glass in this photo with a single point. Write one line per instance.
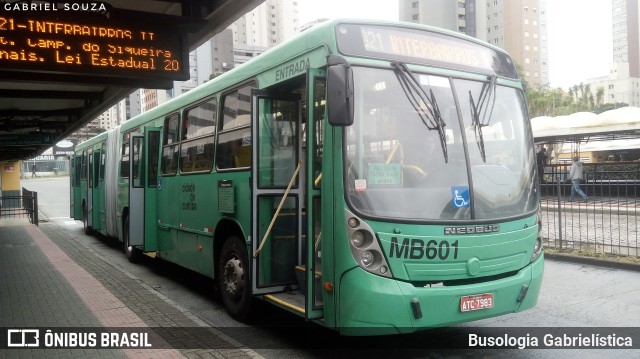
(98, 190)
(103, 167)
(313, 142)
(151, 167)
(278, 225)
(136, 190)
(89, 174)
(76, 194)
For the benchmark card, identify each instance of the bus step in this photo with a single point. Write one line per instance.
(292, 301)
(301, 276)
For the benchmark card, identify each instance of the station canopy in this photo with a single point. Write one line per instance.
(48, 89)
(582, 127)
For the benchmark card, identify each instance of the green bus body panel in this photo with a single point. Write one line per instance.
(386, 308)
(293, 67)
(447, 257)
(188, 215)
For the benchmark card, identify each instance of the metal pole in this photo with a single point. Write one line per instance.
(35, 208)
(559, 211)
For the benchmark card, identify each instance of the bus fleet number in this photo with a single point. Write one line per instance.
(415, 248)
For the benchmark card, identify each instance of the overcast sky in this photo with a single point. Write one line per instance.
(579, 32)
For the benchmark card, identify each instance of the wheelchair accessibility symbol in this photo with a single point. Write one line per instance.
(460, 197)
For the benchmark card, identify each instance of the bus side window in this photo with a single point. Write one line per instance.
(124, 155)
(170, 145)
(234, 140)
(103, 162)
(198, 135)
(83, 166)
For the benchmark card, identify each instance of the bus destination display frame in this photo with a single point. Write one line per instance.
(422, 47)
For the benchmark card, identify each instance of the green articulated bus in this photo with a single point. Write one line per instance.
(374, 177)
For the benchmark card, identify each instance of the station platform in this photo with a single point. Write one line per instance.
(49, 281)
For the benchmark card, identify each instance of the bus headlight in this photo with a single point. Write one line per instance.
(367, 258)
(365, 249)
(357, 239)
(360, 238)
(537, 246)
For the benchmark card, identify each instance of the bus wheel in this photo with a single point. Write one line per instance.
(234, 278)
(85, 220)
(133, 254)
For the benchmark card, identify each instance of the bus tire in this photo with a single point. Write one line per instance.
(234, 278)
(133, 254)
(85, 219)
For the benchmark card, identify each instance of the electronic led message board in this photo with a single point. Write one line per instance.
(52, 42)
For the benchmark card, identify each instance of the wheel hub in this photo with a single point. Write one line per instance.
(233, 277)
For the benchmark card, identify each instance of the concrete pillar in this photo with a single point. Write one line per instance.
(10, 183)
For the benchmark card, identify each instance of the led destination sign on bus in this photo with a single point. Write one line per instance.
(417, 46)
(35, 43)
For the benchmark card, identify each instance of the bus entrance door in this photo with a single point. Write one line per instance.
(135, 236)
(143, 182)
(313, 142)
(278, 195)
(98, 190)
(151, 161)
(76, 189)
(88, 212)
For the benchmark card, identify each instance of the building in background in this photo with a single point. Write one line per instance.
(517, 26)
(461, 16)
(269, 24)
(622, 84)
(222, 52)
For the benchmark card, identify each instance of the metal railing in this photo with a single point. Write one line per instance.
(607, 222)
(24, 206)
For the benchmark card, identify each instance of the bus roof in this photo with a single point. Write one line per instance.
(320, 35)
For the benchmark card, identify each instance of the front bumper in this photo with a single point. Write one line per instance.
(373, 305)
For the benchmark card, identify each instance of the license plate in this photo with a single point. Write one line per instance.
(476, 302)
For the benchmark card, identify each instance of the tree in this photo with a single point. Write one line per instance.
(213, 76)
(545, 101)
(599, 96)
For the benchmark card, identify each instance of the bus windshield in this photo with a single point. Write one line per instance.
(437, 148)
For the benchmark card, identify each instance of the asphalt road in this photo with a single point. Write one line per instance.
(573, 295)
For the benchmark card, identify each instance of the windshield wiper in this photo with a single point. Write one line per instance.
(425, 104)
(481, 112)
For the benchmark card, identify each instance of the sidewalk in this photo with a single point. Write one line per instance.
(50, 281)
(628, 205)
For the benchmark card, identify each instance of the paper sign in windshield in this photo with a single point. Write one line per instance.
(381, 174)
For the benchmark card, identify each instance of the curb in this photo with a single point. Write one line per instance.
(571, 258)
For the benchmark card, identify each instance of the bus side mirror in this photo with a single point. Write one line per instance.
(340, 95)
